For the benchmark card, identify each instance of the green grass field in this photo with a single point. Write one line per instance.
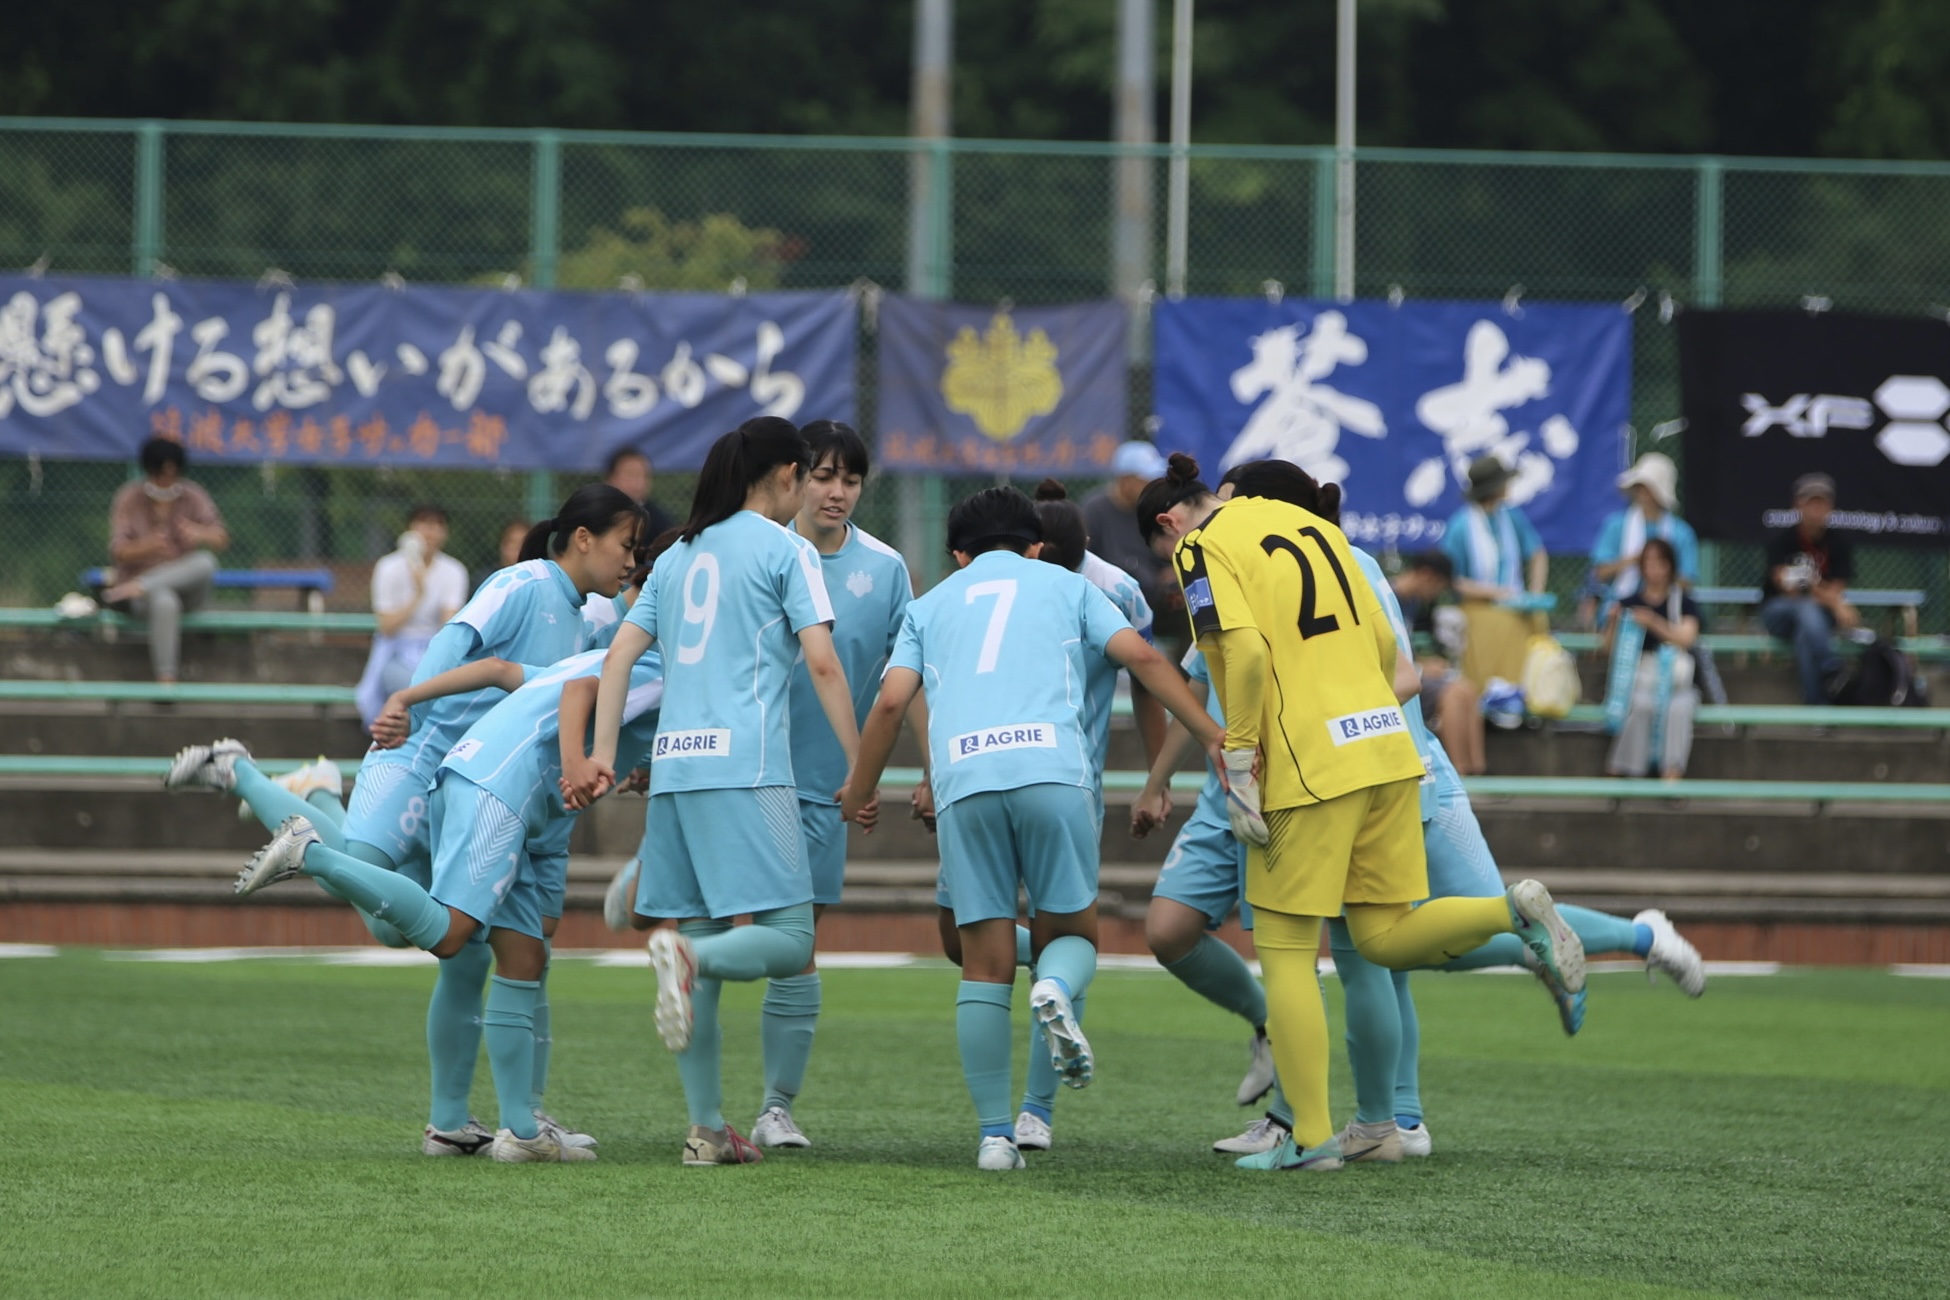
(251, 1129)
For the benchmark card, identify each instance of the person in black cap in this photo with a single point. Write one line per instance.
(1804, 593)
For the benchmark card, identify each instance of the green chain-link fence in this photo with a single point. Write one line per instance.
(1028, 222)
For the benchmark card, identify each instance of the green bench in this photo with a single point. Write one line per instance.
(1933, 648)
(231, 621)
(244, 693)
(1798, 715)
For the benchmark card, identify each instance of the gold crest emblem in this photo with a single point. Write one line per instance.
(1001, 380)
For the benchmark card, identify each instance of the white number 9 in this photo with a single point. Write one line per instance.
(700, 608)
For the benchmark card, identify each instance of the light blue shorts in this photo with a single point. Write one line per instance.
(1041, 837)
(825, 836)
(480, 863)
(1460, 862)
(722, 853)
(1206, 870)
(392, 810)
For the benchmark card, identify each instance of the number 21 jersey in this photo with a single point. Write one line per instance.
(1331, 723)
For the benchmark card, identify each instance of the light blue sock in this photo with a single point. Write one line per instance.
(1598, 931)
(382, 893)
(787, 1018)
(776, 944)
(1071, 961)
(1374, 1027)
(1039, 1089)
(543, 1042)
(509, 1024)
(1219, 975)
(454, 1032)
(701, 1065)
(326, 808)
(982, 1034)
(1277, 1106)
(1025, 949)
(271, 803)
(1408, 1068)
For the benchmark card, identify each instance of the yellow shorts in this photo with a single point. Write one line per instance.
(1364, 847)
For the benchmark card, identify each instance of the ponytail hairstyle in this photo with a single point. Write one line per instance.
(736, 463)
(1282, 480)
(1065, 535)
(846, 447)
(595, 506)
(647, 553)
(1180, 484)
(995, 518)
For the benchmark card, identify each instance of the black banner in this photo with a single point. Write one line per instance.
(1770, 396)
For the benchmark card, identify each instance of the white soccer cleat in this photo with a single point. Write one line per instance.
(1672, 954)
(320, 774)
(1378, 1144)
(998, 1153)
(1069, 1050)
(774, 1127)
(544, 1148)
(704, 1147)
(619, 900)
(1263, 1134)
(1559, 951)
(675, 963)
(470, 1139)
(1260, 1073)
(1416, 1142)
(1032, 1134)
(282, 859)
(567, 1136)
(205, 767)
(1242, 798)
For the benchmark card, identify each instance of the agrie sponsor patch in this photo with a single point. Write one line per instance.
(989, 740)
(704, 742)
(1350, 727)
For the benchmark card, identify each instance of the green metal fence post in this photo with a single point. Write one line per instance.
(1707, 233)
(1326, 186)
(543, 246)
(146, 233)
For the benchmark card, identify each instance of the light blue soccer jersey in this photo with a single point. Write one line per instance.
(602, 615)
(527, 613)
(869, 587)
(1003, 649)
(1100, 674)
(727, 608)
(1211, 806)
(513, 751)
(1442, 775)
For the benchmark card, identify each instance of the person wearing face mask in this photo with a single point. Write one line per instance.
(164, 534)
(415, 590)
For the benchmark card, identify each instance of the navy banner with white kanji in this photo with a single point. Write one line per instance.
(1393, 401)
(371, 375)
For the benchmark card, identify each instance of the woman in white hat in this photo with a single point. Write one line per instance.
(1652, 486)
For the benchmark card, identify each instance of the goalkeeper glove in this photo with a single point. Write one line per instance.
(1242, 799)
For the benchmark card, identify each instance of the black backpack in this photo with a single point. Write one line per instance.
(1881, 677)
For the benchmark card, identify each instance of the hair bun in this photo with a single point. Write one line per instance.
(1180, 469)
(1051, 490)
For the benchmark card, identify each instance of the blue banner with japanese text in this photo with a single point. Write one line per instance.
(415, 375)
(1394, 401)
(1026, 391)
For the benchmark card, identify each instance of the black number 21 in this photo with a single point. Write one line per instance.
(1312, 624)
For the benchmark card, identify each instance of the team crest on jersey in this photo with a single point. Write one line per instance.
(1350, 727)
(465, 750)
(990, 740)
(860, 583)
(704, 742)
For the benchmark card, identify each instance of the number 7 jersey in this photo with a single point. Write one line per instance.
(1332, 724)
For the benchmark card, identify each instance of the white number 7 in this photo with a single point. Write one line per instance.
(1004, 591)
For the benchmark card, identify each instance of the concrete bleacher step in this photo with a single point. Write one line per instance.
(94, 727)
(1740, 754)
(334, 659)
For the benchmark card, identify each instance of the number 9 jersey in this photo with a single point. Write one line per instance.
(1331, 724)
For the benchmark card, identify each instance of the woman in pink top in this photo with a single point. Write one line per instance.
(164, 532)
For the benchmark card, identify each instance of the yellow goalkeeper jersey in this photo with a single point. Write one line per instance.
(1331, 723)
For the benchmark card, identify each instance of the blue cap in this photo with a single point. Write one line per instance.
(1139, 458)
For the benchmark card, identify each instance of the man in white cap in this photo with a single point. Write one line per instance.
(1652, 487)
(1110, 516)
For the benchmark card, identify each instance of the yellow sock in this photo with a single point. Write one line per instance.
(1296, 1018)
(1402, 937)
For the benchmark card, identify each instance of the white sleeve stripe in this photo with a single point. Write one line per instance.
(815, 576)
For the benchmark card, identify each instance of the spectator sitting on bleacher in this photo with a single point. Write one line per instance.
(415, 590)
(1804, 593)
(629, 472)
(1650, 700)
(1497, 555)
(1451, 703)
(163, 535)
(1652, 486)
